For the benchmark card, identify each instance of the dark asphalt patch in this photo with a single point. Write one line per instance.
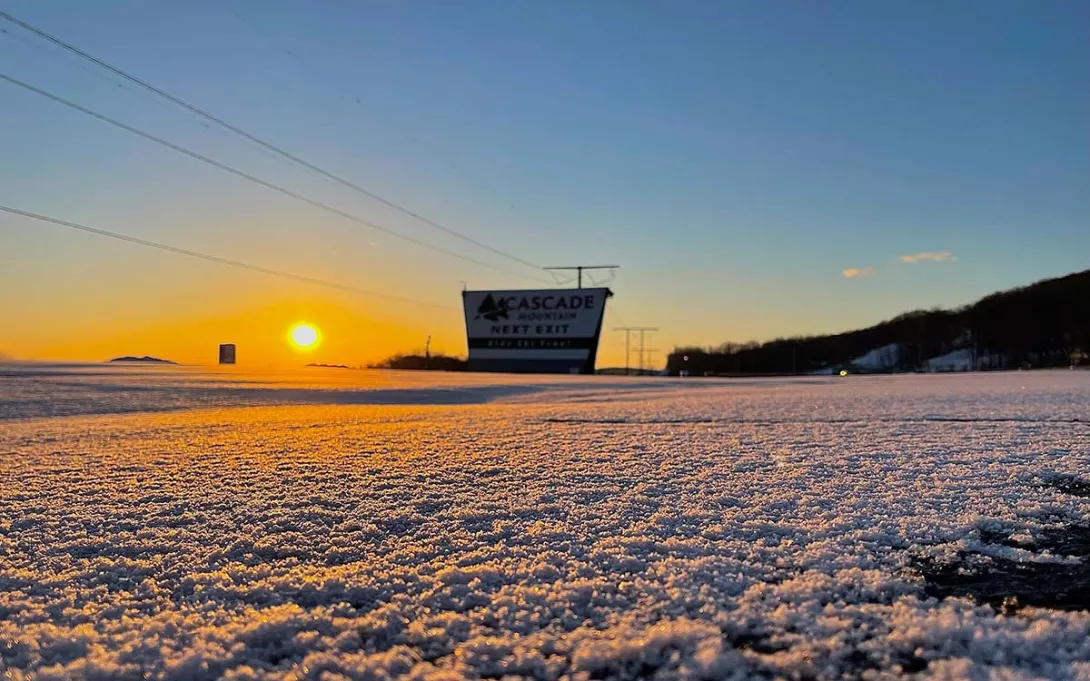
(1009, 585)
(1070, 484)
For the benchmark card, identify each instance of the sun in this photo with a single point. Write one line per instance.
(304, 336)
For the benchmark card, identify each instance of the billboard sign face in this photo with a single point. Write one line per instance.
(538, 331)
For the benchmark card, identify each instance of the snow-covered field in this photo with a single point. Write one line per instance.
(189, 524)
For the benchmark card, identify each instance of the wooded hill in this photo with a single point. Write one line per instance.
(1046, 324)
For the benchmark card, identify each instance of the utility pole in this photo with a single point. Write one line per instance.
(649, 353)
(641, 350)
(627, 345)
(579, 270)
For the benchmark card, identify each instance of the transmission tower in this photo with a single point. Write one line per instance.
(628, 345)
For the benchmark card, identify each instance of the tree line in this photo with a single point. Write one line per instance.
(427, 362)
(1046, 324)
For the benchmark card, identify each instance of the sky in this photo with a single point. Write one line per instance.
(756, 169)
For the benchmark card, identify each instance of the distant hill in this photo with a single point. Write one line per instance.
(1046, 324)
(145, 358)
(329, 366)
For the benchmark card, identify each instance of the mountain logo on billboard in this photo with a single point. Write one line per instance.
(491, 310)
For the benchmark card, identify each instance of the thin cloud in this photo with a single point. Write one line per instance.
(931, 256)
(853, 272)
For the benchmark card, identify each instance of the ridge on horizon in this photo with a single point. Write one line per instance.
(1043, 324)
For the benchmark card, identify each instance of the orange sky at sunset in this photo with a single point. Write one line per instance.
(95, 298)
(349, 336)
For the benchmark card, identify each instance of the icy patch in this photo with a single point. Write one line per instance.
(32, 390)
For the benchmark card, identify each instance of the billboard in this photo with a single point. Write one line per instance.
(534, 331)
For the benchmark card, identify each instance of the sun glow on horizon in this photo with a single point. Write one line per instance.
(304, 336)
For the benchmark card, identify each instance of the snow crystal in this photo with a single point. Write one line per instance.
(187, 525)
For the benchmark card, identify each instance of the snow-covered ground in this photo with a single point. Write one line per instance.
(964, 360)
(955, 360)
(879, 359)
(187, 524)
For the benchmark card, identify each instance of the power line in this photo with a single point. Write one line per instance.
(252, 178)
(69, 61)
(213, 258)
(257, 140)
(612, 310)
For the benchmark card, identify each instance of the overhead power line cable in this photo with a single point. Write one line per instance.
(214, 258)
(73, 61)
(260, 142)
(252, 178)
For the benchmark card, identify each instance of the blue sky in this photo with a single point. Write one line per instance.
(735, 158)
